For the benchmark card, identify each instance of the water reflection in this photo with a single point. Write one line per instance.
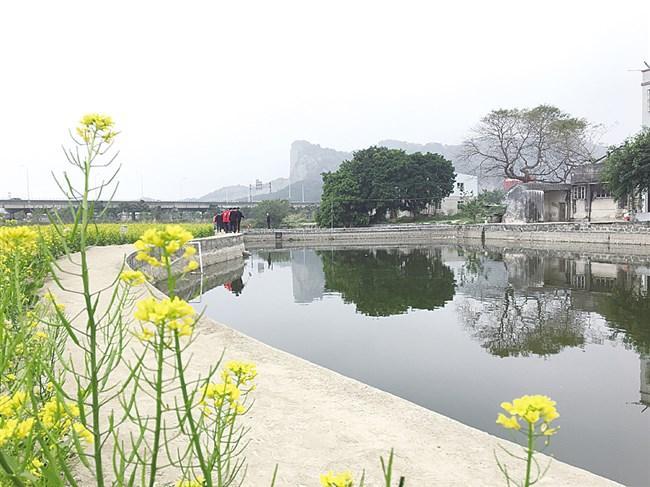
(385, 282)
(526, 303)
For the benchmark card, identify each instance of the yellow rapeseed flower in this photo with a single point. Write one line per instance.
(84, 433)
(156, 246)
(96, 126)
(242, 372)
(197, 482)
(133, 278)
(331, 479)
(531, 409)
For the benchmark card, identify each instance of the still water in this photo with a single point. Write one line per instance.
(459, 330)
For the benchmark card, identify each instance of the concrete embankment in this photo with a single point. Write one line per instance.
(307, 419)
(607, 234)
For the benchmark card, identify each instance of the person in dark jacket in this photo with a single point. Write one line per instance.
(239, 216)
(218, 222)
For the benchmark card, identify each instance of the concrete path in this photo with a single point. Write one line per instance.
(308, 419)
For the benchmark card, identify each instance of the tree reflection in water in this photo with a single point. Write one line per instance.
(528, 303)
(521, 324)
(385, 282)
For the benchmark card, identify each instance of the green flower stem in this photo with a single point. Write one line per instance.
(91, 326)
(7, 468)
(171, 290)
(160, 349)
(188, 410)
(529, 457)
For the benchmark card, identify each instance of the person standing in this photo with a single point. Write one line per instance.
(240, 217)
(268, 220)
(226, 220)
(220, 221)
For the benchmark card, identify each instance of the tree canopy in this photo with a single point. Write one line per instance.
(540, 144)
(627, 168)
(278, 209)
(377, 180)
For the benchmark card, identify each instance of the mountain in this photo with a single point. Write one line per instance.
(450, 152)
(308, 161)
(239, 192)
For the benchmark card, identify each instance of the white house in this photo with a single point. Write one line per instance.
(465, 187)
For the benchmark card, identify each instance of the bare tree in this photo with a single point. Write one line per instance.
(540, 144)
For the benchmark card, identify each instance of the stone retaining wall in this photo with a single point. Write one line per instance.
(609, 234)
(213, 250)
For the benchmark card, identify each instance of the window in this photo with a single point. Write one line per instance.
(459, 204)
(460, 187)
(437, 205)
(579, 192)
(601, 192)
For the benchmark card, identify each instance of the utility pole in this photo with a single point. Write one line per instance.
(250, 193)
(303, 191)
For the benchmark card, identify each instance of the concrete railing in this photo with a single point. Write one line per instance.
(618, 233)
(210, 250)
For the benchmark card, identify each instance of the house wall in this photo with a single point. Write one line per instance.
(580, 212)
(602, 209)
(552, 204)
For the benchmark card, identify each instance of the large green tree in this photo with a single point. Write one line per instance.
(377, 180)
(538, 144)
(627, 167)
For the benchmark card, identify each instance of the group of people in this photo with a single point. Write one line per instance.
(228, 220)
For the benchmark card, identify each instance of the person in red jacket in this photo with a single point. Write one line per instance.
(226, 220)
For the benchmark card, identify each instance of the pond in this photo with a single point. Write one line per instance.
(458, 330)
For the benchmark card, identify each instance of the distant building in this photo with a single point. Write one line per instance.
(465, 188)
(585, 198)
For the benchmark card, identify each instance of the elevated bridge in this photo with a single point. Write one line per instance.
(19, 206)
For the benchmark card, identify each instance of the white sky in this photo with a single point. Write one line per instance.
(209, 93)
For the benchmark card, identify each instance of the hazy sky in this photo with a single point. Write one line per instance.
(209, 93)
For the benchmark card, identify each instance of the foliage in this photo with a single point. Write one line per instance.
(536, 412)
(377, 180)
(278, 209)
(540, 144)
(486, 204)
(387, 282)
(627, 167)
